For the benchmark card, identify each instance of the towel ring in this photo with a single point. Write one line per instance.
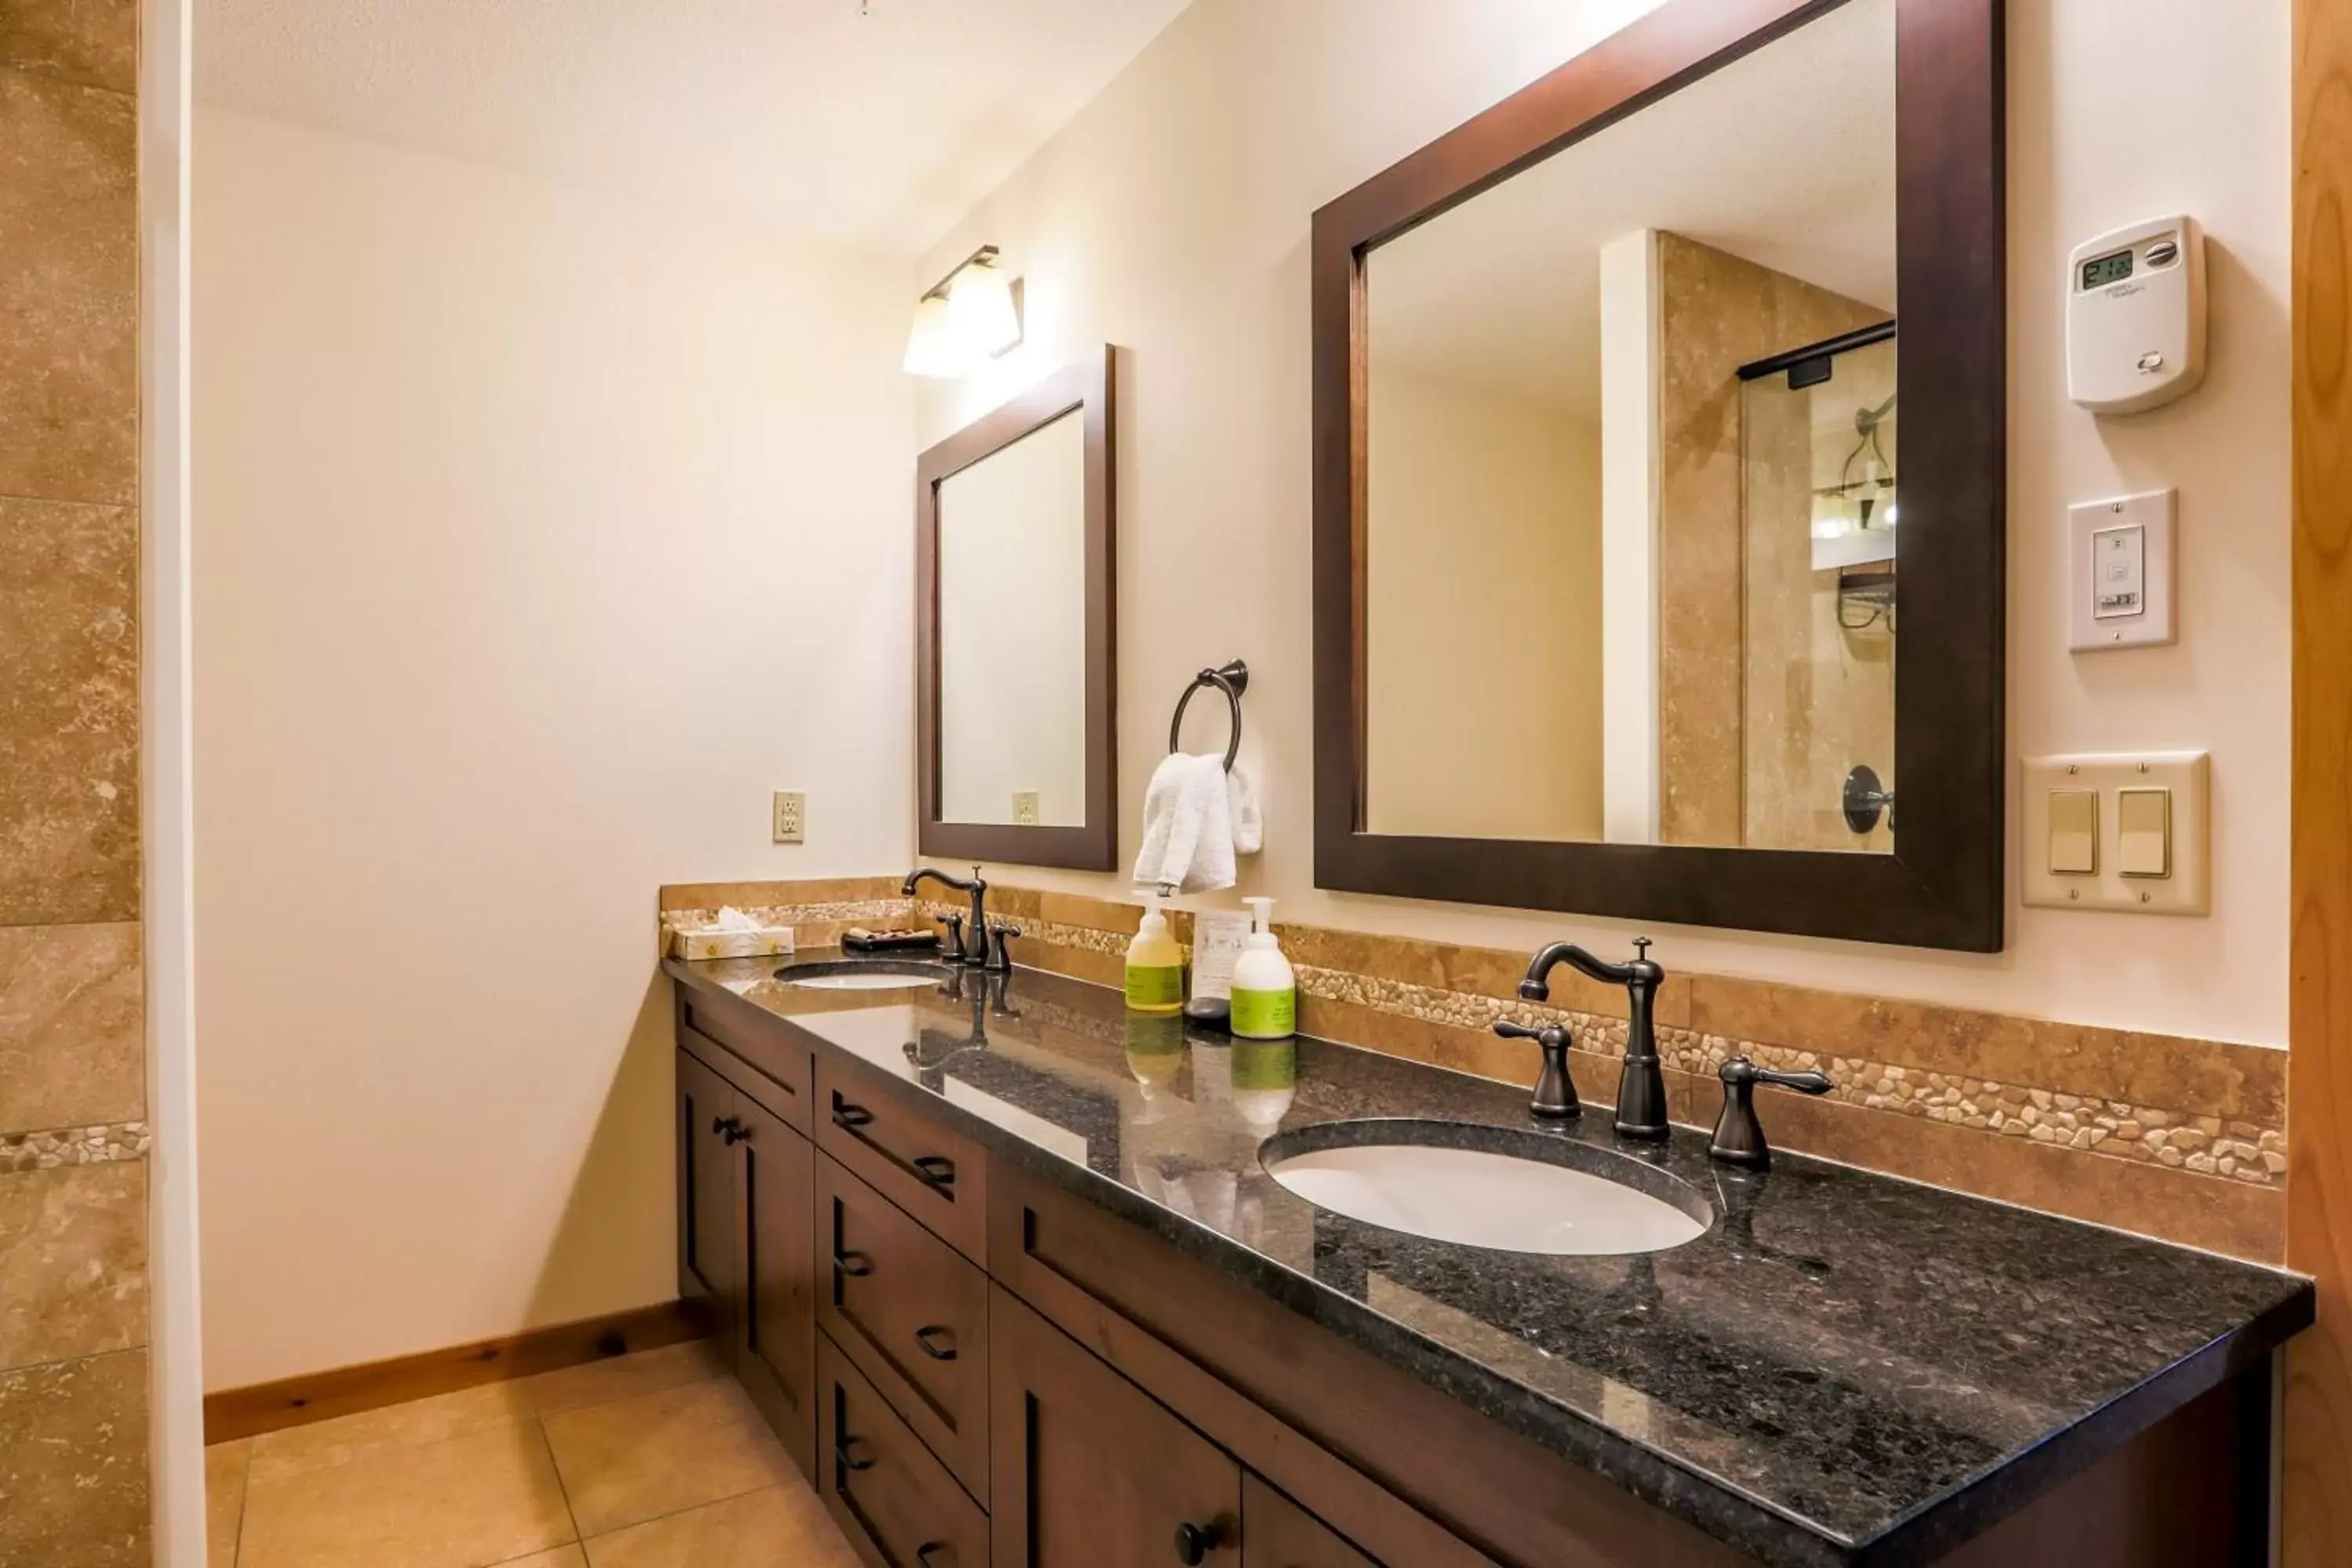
(1233, 680)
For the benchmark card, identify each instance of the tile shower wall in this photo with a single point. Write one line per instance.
(73, 1139)
(1716, 312)
(2179, 1137)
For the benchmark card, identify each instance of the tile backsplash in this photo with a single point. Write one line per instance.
(2167, 1135)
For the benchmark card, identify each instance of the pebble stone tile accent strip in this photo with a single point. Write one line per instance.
(2176, 1137)
(797, 914)
(74, 1146)
(1053, 933)
(2207, 1145)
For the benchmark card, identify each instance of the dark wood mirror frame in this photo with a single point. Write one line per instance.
(1942, 886)
(1085, 386)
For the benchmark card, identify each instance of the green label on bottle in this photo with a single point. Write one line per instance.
(1155, 987)
(1265, 1015)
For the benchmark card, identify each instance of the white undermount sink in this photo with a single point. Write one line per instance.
(854, 977)
(1407, 1176)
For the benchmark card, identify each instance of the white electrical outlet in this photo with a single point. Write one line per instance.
(1024, 808)
(792, 816)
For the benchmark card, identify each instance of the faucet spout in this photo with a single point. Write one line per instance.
(1641, 1086)
(973, 948)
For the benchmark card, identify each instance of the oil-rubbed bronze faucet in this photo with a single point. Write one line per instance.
(1641, 1087)
(971, 939)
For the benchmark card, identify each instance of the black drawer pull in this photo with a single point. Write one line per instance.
(848, 1454)
(1195, 1541)
(849, 1114)
(923, 1557)
(926, 1335)
(856, 1265)
(936, 1169)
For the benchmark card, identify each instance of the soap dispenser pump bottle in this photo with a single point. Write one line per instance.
(1265, 990)
(1155, 964)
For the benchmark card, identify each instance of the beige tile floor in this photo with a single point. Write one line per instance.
(654, 1460)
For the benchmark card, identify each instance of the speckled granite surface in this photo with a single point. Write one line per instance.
(1843, 1367)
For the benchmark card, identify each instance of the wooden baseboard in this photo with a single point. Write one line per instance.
(343, 1391)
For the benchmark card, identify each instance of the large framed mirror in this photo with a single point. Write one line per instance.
(1654, 408)
(1015, 527)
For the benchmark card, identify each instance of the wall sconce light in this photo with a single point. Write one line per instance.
(972, 314)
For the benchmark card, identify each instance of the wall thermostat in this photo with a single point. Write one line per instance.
(2136, 316)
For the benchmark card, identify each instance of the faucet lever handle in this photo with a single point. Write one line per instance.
(1739, 1136)
(1555, 1093)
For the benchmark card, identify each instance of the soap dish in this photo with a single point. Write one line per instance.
(697, 942)
(857, 939)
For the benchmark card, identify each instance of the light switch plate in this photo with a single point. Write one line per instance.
(2186, 775)
(791, 816)
(2119, 572)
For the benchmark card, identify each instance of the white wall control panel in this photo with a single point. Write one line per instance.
(2124, 833)
(2119, 572)
(2136, 316)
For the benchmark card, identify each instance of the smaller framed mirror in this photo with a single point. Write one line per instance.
(1016, 527)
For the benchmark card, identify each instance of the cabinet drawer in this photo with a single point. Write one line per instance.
(768, 1065)
(897, 1504)
(879, 1132)
(1278, 1533)
(912, 1313)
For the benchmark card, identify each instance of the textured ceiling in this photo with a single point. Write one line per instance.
(801, 117)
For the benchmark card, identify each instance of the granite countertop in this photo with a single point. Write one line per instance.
(1843, 1368)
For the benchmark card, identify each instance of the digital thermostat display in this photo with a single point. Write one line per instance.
(2102, 270)
(2135, 315)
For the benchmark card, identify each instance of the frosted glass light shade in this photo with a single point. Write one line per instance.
(934, 347)
(980, 303)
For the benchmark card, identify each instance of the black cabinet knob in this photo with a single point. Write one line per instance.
(729, 1130)
(937, 1341)
(1195, 1541)
(937, 1170)
(856, 1265)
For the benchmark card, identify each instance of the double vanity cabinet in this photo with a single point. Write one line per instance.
(1002, 1268)
(841, 1238)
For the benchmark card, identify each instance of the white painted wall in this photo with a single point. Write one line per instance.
(1482, 557)
(1628, 536)
(539, 537)
(1171, 217)
(1012, 630)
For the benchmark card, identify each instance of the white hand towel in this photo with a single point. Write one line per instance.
(1249, 823)
(1188, 826)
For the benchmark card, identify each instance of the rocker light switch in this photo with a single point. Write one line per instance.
(2144, 832)
(2129, 833)
(2073, 832)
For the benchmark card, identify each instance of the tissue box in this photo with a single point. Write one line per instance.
(718, 941)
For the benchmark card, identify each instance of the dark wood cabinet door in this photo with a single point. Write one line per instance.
(707, 1244)
(1278, 1533)
(775, 1341)
(892, 1498)
(912, 1313)
(1090, 1470)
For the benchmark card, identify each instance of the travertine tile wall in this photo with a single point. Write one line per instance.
(1716, 312)
(73, 1139)
(2170, 1136)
